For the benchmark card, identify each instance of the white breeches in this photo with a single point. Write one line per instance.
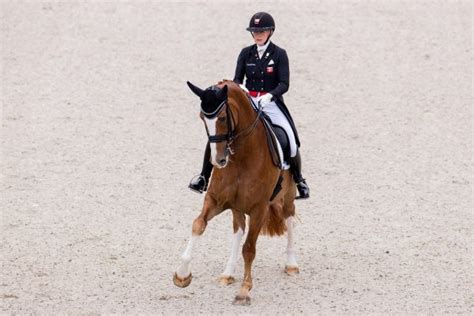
(278, 118)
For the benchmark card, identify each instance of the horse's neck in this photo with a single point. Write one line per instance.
(247, 116)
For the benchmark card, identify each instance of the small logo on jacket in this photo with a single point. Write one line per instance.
(269, 69)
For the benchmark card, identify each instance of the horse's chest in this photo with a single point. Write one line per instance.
(247, 194)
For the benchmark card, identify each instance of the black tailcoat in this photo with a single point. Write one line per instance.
(269, 74)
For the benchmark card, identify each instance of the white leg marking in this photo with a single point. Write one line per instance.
(184, 270)
(290, 250)
(211, 127)
(234, 252)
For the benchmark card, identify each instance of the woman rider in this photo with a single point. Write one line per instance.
(268, 77)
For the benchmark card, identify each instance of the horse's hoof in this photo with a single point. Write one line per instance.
(182, 282)
(292, 270)
(226, 280)
(242, 300)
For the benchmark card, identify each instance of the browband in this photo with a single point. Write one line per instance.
(215, 112)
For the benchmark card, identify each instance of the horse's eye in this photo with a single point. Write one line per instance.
(222, 119)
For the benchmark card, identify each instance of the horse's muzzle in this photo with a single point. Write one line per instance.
(222, 162)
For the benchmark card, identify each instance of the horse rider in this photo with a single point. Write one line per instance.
(266, 68)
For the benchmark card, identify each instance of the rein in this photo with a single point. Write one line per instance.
(251, 127)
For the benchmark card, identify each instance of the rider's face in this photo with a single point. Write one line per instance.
(260, 37)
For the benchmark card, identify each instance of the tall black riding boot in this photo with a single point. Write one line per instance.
(199, 183)
(295, 165)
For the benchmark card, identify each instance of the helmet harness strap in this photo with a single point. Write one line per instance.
(268, 38)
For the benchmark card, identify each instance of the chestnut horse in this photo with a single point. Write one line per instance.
(243, 180)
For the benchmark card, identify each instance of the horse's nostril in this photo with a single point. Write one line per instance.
(222, 161)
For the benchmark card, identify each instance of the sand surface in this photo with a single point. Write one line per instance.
(100, 136)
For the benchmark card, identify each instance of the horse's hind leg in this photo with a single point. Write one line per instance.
(291, 266)
(182, 277)
(227, 277)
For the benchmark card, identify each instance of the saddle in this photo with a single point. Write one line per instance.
(278, 144)
(277, 140)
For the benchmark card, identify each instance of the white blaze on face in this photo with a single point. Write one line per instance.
(211, 127)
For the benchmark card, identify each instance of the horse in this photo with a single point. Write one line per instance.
(243, 180)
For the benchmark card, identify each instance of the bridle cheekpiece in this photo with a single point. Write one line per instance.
(229, 136)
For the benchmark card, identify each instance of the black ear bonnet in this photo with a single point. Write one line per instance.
(212, 101)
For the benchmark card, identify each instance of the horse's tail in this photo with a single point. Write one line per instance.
(274, 223)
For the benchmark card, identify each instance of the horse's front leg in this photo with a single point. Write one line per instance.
(182, 276)
(227, 277)
(248, 252)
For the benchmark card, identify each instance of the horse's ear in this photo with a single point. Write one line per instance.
(222, 93)
(196, 90)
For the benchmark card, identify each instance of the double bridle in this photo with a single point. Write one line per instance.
(230, 136)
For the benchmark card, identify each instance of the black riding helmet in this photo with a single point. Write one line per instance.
(261, 21)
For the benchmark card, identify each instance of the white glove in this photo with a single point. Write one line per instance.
(265, 99)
